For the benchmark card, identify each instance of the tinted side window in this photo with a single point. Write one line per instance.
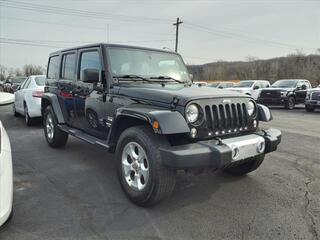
(53, 67)
(89, 60)
(68, 66)
(308, 84)
(300, 83)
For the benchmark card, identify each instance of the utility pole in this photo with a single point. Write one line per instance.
(177, 32)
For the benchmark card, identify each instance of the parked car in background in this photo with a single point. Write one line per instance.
(200, 84)
(285, 92)
(28, 98)
(251, 87)
(2, 85)
(221, 84)
(312, 100)
(12, 85)
(6, 180)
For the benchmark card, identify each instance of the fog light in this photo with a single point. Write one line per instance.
(235, 152)
(193, 132)
(261, 146)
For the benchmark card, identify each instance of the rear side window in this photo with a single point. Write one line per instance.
(40, 81)
(68, 66)
(53, 67)
(89, 60)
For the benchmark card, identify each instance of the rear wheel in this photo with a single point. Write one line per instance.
(29, 121)
(14, 111)
(143, 178)
(55, 137)
(309, 108)
(290, 103)
(245, 166)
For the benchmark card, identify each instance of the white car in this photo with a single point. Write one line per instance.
(27, 100)
(251, 87)
(6, 181)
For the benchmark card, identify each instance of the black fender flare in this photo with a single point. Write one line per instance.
(170, 122)
(54, 102)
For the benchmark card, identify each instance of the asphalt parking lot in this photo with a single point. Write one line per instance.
(73, 193)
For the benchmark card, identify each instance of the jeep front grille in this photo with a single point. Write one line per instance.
(226, 118)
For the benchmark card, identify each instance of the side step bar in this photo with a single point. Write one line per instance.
(83, 136)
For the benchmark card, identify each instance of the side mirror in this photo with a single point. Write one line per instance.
(220, 87)
(304, 87)
(255, 87)
(90, 75)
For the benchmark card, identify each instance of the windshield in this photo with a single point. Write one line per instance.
(284, 84)
(40, 81)
(18, 80)
(146, 63)
(244, 84)
(213, 84)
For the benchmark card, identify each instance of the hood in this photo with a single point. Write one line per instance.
(278, 89)
(242, 89)
(166, 94)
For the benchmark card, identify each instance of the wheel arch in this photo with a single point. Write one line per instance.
(168, 123)
(52, 100)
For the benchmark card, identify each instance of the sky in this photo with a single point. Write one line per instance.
(212, 30)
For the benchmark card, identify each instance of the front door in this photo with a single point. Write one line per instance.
(301, 91)
(89, 104)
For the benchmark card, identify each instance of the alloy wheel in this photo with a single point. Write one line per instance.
(135, 166)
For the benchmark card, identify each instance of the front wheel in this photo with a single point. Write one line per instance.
(245, 166)
(309, 108)
(290, 103)
(143, 178)
(55, 137)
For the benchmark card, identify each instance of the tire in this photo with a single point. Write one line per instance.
(290, 103)
(55, 137)
(29, 121)
(309, 108)
(150, 181)
(15, 113)
(245, 166)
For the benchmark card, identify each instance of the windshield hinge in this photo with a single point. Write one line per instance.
(174, 103)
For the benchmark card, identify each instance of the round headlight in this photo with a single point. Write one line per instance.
(251, 108)
(192, 113)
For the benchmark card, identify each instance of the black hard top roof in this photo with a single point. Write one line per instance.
(109, 45)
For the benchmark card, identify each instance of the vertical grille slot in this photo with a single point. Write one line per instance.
(235, 116)
(215, 117)
(222, 118)
(208, 117)
(228, 117)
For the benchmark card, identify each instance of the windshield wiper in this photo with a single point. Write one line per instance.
(132, 77)
(167, 78)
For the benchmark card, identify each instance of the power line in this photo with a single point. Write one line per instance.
(237, 36)
(53, 23)
(76, 12)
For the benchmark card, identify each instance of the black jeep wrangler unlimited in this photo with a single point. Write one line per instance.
(139, 103)
(286, 92)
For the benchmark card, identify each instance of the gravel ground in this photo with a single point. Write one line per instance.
(73, 193)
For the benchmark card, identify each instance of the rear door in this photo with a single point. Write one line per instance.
(90, 108)
(66, 85)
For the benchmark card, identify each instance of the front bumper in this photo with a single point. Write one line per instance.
(313, 103)
(273, 101)
(6, 183)
(215, 154)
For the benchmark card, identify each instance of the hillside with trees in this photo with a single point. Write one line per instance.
(292, 66)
